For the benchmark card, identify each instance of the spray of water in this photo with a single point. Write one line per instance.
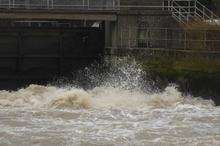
(116, 84)
(118, 107)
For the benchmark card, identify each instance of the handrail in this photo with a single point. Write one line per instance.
(180, 11)
(204, 14)
(52, 4)
(206, 9)
(194, 10)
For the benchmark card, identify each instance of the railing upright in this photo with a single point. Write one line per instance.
(191, 9)
(83, 3)
(9, 4)
(88, 4)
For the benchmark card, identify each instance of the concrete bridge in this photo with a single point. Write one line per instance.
(59, 9)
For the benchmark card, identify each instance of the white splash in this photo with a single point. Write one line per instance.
(117, 111)
(36, 96)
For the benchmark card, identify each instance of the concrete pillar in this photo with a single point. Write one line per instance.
(107, 34)
(114, 34)
(111, 34)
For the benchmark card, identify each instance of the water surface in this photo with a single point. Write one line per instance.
(115, 113)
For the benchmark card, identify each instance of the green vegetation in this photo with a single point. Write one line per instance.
(172, 66)
(197, 76)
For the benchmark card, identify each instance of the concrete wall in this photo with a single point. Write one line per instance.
(129, 26)
(130, 20)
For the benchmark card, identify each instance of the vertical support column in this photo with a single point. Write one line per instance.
(52, 4)
(189, 11)
(204, 40)
(169, 5)
(9, 4)
(48, 4)
(113, 4)
(114, 32)
(111, 36)
(163, 5)
(129, 37)
(185, 40)
(166, 38)
(107, 35)
(195, 7)
(121, 38)
(84, 23)
(203, 12)
(13, 3)
(27, 3)
(148, 41)
(88, 4)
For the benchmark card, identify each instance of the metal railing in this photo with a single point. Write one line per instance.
(191, 12)
(170, 39)
(158, 5)
(61, 4)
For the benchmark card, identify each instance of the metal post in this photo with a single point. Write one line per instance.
(113, 4)
(13, 3)
(84, 23)
(172, 3)
(187, 19)
(48, 4)
(185, 39)
(121, 36)
(195, 7)
(204, 39)
(148, 37)
(27, 3)
(169, 5)
(163, 4)
(203, 12)
(189, 10)
(129, 37)
(212, 17)
(166, 37)
(52, 4)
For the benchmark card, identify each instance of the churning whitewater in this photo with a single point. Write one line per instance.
(119, 110)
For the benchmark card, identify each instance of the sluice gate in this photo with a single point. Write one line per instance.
(37, 55)
(41, 40)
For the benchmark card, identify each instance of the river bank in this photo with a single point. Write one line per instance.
(198, 77)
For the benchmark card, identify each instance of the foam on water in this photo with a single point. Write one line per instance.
(36, 96)
(121, 86)
(117, 111)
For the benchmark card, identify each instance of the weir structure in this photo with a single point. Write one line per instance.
(43, 39)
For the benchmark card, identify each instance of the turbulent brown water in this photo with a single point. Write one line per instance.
(117, 112)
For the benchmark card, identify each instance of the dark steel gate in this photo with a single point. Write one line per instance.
(39, 55)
